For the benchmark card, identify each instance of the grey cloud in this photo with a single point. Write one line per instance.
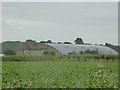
(94, 22)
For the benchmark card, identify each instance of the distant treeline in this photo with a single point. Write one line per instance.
(116, 48)
(13, 45)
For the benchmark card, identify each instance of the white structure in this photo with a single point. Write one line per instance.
(67, 48)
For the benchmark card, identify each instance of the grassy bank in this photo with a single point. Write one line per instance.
(83, 57)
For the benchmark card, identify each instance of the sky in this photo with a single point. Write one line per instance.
(94, 22)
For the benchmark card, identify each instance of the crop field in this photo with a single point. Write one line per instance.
(60, 73)
(0, 74)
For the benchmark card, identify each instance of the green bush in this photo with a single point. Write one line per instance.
(46, 52)
(89, 52)
(73, 52)
(49, 52)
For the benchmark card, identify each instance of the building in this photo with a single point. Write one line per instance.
(67, 48)
(35, 49)
(39, 48)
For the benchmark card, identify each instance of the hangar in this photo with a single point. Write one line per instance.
(39, 48)
(67, 48)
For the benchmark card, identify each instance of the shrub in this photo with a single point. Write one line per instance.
(74, 52)
(49, 52)
(89, 52)
(46, 52)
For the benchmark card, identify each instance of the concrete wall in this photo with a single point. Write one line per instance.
(35, 46)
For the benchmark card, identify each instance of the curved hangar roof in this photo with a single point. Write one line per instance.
(67, 48)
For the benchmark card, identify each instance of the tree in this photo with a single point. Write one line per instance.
(59, 42)
(49, 41)
(107, 44)
(116, 48)
(9, 52)
(67, 43)
(49, 52)
(79, 41)
(43, 42)
(30, 41)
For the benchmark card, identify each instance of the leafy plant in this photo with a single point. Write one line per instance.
(60, 74)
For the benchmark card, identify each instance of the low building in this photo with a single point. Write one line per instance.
(35, 49)
(39, 48)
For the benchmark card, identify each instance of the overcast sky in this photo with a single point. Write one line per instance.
(93, 22)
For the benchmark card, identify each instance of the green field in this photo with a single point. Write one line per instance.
(60, 73)
(0, 74)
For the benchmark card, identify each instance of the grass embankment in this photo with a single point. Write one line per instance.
(83, 57)
(70, 71)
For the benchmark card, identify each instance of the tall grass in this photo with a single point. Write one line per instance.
(73, 57)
